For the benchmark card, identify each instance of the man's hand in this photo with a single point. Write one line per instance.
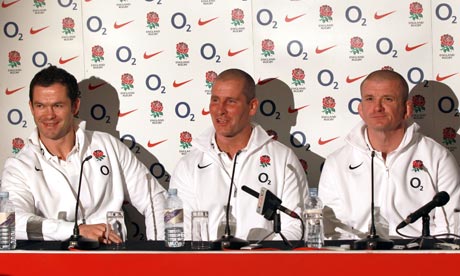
(98, 232)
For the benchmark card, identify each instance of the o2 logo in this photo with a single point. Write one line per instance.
(11, 30)
(298, 139)
(94, 24)
(124, 54)
(153, 83)
(353, 105)
(353, 14)
(68, 4)
(326, 78)
(384, 46)
(179, 21)
(295, 49)
(40, 59)
(15, 118)
(268, 109)
(183, 111)
(98, 112)
(208, 52)
(444, 12)
(265, 17)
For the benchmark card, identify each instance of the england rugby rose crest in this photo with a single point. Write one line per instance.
(152, 20)
(68, 25)
(14, 59)
(18, 144)
(181, 50)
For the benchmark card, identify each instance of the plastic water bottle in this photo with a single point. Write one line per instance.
(7, 223)
(314, 220)
(174, 220)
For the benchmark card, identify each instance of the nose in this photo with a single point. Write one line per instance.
(378, 105)
(49, 112)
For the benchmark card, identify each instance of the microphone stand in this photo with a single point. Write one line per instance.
(373, 241)
(228, 241)
(76, 240)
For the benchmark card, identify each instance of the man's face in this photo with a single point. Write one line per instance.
(382, 107)
(53, 111)
(230, 111)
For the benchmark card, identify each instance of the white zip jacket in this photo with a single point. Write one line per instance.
(44, 192)
(203, 184)
(402, 185)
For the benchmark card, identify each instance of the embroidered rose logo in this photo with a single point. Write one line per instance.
(418, 102)
(156, 107)
(97, 53)
(181, 50)
(39, 3)
(417, 165)
(273, 134)
(356, 45)
(325, 13)
(328, 105)
(447, 42)
(127, 81)
(14, 59)
(152, 20)
(415, 11)
(448, 136)
(267, 48)
(210, 78)
(99, 155)
(298, 76)
(304, 165)
(237, 17)
(18, 144)
(68, 26)
(265, 161)
(185, 140)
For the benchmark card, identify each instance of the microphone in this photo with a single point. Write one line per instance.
(76, 240)
(268, 203)
(440, 199)
(227, 241)
(373, 241)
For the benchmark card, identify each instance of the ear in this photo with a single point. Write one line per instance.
(253, 105)
(76, 107)
(409, 110)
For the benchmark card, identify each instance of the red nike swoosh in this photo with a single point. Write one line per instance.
(32, 31)
(9, 92)
(64, 61)
(380, 16)
(321, 142)
(439, 78)
(231, 54)
(290, 19)
(177, 84)
(265, 81)
(123, 114)
(319, 51)
(204, 112)
(94, 87)
(118, 26)
(147, 56)
(350, 80)
(151, 145)
(410, 48)
(202, 23)
(6, 5)
(292, 110)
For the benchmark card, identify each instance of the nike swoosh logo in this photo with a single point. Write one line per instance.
(351, 80)
(320, 51)
(231, 54)
(147, 56)
(292, 110)
(37, 169)
(202, 23)
(323, 142)
(380, 16)
(354, 167)
(9, 92)
(290, 19)
(204, 112)
(439, 78)
(6, 5)
(118, 26)
(178, 84)
(123, 114)
(205, 166)
(35, 31)
(411, 48)
(94, 87)
(265, 81)
(64, 61)
(151, 145)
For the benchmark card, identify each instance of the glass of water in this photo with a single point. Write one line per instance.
(115, 226)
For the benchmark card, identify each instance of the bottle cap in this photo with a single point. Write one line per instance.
(313, 191)
(172, 191)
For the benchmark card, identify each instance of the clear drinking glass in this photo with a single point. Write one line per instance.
(200, 232)
(116, 225)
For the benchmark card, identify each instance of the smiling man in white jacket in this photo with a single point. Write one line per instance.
(203, 176)
(43, 177)
(409, 168)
